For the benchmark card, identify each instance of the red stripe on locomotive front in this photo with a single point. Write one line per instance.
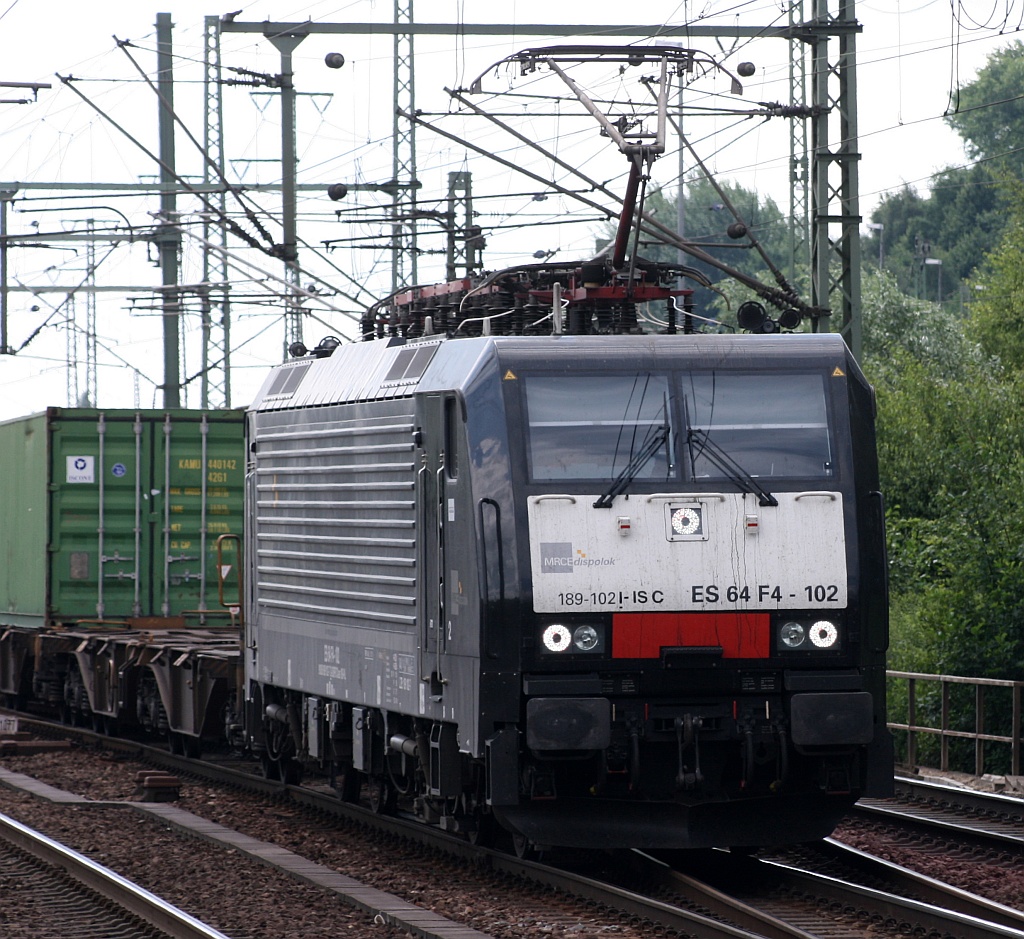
(643, 635)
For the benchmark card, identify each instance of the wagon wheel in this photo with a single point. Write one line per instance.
(383, 797)
(349, 785)
(525, 849)
(481, 827)
(281, 769)
(483, 831)
(290, 771)
(270, 767)
(278, 759)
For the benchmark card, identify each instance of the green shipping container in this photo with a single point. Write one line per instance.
(114, 515)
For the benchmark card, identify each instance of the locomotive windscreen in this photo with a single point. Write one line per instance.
(771, 425)
(594, 426)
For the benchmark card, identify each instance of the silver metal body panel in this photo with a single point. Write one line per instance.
(334, 559)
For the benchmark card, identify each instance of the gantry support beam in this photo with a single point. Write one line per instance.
(830, 36)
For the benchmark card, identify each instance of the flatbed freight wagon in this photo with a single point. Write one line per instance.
(115, 526)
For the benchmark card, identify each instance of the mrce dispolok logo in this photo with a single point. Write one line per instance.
(559, 557)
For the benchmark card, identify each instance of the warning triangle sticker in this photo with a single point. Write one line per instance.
(225, 569)
(838, 373)
(510, 376)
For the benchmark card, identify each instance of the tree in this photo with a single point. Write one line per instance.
(951, 449)
(997, 313)
(952, 468)
(962, 219)
(989, 111)
(898, 328)
(958, 224)
(950, 394)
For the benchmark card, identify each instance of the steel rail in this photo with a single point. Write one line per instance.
(126, 895)
(632, 904)
(925, 888)
(719, 902)
(920, 915)
(955, 795)
(946, 814)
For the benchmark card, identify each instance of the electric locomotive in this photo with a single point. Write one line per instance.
(600, 586)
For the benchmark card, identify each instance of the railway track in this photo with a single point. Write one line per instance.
(989, 820)
(61, 892)
(831, 892)
(792, 902)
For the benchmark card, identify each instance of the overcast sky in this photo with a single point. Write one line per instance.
(912, 54)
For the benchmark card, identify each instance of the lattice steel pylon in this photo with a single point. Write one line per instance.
(215, 298)
(81, 340)
(71, 352)
(403, 207)
(799, 181)
(835, 235)
(465, 239)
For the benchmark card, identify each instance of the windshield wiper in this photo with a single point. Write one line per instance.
(728, 466)
(637, 463)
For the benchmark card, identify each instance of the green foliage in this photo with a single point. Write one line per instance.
(997, 313)
(898, 326)
(989, 112)
(951, 448)
(953, 471)
(958, 224)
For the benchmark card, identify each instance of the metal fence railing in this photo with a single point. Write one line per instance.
(929, 701)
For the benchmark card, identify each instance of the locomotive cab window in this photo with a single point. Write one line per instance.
(595, 426)
(770, 425)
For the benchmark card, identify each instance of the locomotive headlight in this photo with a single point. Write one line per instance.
(792, 635)
(556, 638)
(804, 634)
(585, 638)
(824, 634)
(572, 639)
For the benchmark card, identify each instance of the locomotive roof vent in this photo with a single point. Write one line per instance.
(409, 364)
(287, 379)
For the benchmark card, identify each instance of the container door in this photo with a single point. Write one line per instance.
(198, 479)
(100, 535)
(138, 501)
(24, 520)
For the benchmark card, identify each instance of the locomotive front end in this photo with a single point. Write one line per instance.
(703, 663)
